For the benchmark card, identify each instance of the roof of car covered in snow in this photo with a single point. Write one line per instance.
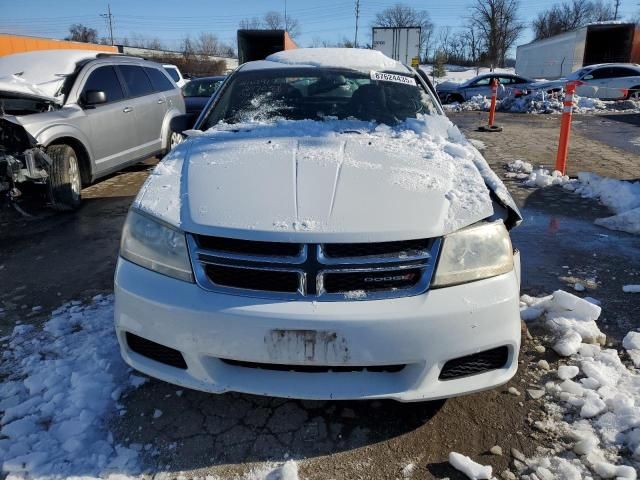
(359, 59)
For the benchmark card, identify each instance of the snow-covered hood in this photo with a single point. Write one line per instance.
(323, 181)
(40, 74)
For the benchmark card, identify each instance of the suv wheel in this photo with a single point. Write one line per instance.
(174, 140)
(65, 181)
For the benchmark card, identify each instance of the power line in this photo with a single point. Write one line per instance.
(355, 42)
(110, 20)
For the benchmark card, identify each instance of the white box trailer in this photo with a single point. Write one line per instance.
(402, 44)
(558, 56)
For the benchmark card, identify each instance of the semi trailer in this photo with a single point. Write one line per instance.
(558, 56)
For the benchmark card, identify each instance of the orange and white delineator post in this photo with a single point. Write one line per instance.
(565, 129)
(490, 127)
(494, 97)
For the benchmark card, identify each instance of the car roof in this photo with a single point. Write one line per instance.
(358, 59)
(599, 65)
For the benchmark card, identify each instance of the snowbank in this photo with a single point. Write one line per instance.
(541, 102)
(62, 384)
(594, 405)
(352, 58)
(621, 196)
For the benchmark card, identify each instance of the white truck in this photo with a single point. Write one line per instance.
(400, 43)
(558, 56)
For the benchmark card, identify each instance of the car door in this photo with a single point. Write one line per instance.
(482, 86)
(594, 83)
(169, 91)
(147, 106)
(109, 126)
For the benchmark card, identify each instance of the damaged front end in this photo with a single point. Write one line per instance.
(21, 159)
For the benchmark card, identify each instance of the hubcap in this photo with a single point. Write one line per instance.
(176, 139)
(74, 177)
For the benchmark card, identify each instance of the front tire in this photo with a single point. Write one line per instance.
(65, 181)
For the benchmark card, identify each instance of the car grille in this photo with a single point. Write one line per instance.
(474, 364)
(316, 368)
(345, 271)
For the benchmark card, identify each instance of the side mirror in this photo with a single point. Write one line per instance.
(587, 77)
(95, 97)
(180, 123)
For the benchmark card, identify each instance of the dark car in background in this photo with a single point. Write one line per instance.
(450, 92)
(198, 92)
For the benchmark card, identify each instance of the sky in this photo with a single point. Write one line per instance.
(170, 21)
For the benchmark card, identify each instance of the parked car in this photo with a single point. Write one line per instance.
(607, 81)
(198, 92)
(69, 117)
(328, 234)
(175, 74)
(450, 92)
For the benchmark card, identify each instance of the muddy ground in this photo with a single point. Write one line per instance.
(51, 258)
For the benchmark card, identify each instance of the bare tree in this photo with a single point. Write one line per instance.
(187, 48)
(474, 45)
(250, 24)
(569, 16)
(272, 20)
(401, 15)
(82, 33)
(497, 23)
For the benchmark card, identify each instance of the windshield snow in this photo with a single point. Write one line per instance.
(317, 94)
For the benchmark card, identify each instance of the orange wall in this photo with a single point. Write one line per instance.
(16, 44)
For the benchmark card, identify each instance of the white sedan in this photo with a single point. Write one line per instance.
(325, 232)
(606, 81)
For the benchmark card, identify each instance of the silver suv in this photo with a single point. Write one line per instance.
(69, 117)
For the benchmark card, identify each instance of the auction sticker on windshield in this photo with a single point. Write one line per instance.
(392, 77)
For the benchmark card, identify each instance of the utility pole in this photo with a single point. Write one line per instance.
(355, 42)
(109, 18)
(285, 16)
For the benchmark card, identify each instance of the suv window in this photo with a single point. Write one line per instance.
(136, 80)
(173, 72)
(159, 80)
(104, 79)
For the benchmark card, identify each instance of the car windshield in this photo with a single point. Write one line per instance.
(201, 87)
(316, 94)
(577, 75)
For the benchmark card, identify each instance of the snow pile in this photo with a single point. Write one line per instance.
(631, 343)
(61, 384)
(541, 102)
(535, 177)
(471, 469)
(286, 471)
(570, 319)
(475, 103)
(631, 288)
(593, 407)
(622, 197)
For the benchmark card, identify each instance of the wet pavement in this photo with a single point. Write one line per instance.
(58, 257)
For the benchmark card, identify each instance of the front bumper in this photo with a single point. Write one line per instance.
(422, 332)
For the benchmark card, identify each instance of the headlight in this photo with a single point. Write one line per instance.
(481, 251)
(156, 246)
